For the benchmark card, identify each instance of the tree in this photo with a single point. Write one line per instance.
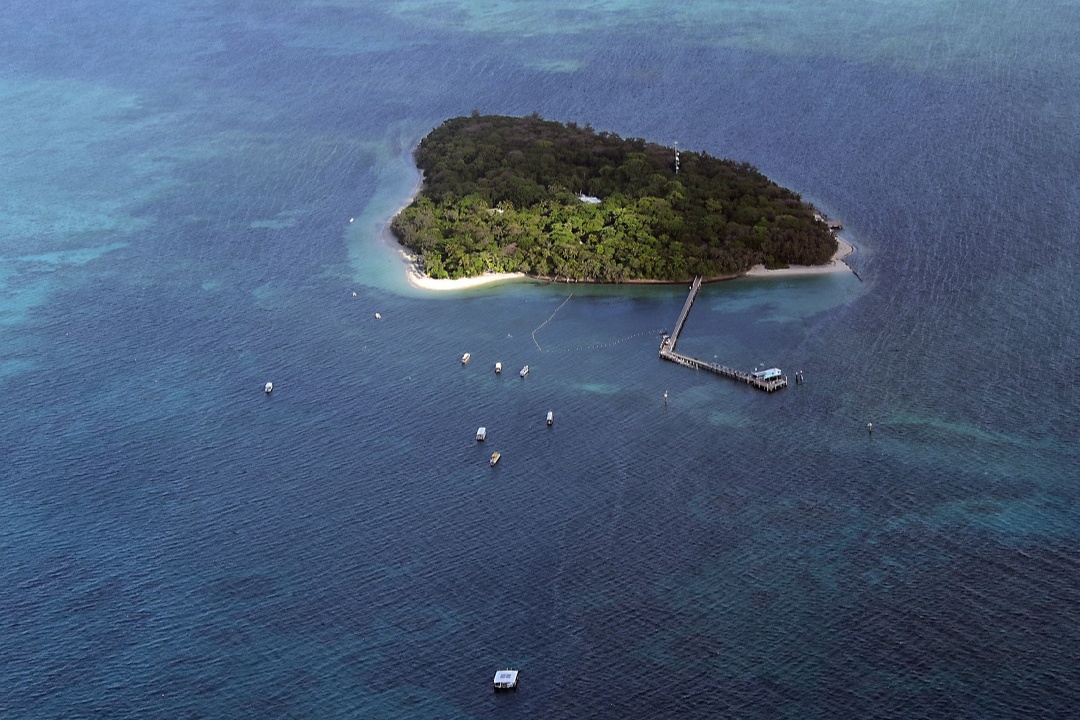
(501, 193)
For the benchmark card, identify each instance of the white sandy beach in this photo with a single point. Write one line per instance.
(419, 280)
(422, 282)
(835, 264)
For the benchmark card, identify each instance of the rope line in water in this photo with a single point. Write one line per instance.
(607, 344)
(597, 346)
(547, 321)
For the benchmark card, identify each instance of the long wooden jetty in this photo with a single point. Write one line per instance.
(694, 287)
(766, 381)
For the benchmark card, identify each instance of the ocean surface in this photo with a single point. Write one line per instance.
(192, 192)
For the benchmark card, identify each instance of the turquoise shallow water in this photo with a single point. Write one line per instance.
(176, 201)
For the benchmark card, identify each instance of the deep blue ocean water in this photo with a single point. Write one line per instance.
(175, 202)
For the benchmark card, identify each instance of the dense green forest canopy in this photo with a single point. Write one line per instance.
(505, 194)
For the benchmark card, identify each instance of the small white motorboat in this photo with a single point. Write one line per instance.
(465, 358)
(524, 371)
(268, 388)
(378, 316)
(498, 368)
(506, 680)
(481, 434)
(550, 418)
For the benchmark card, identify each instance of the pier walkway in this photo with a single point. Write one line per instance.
(694, 287)
(667, 352)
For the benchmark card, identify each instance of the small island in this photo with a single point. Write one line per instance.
(559, 201)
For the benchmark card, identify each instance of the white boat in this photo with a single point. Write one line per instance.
(378, 316)
(495, 457)
(481, 434)
(498, 368)
(524, 371)
(506, 680)
(550, 418)
(268, 388)
(465, 358)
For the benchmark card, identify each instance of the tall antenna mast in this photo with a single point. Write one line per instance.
(676, 157)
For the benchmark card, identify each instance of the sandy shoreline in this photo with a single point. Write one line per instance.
(836, 264)
(419, 280)
(423, 282)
